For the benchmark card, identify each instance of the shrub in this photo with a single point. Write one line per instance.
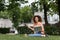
(4, 30)
(23, 30)
(50, 30)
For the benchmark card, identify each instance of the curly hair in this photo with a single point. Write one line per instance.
(39, 18)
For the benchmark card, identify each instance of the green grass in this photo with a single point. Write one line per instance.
(22, 37)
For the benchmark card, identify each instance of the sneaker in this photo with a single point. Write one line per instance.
(43, 35)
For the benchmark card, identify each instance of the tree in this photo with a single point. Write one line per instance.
(34, 7)
(14, 13)
(45, 12)
(43, 4)
(49, 6)
(58, 2)
(59, 8)
(14, 10)
(45, 7)
(3, 12)
(26, 14)
(1, 6)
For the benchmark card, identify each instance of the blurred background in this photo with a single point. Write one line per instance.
(14, 14)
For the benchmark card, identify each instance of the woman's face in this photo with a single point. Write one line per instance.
(36, 19)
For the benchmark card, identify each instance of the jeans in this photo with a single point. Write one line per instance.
(34, 34)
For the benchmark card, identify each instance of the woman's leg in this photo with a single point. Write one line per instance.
(43, 33)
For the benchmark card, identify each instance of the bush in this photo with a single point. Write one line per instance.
(50, 30)
(4, 30)
(23, 30)
(26, 14)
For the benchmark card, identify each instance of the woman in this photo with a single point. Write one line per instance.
(37, 27)
(38, 23)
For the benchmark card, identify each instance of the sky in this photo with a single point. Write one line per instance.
(29, 3)
(22, 5)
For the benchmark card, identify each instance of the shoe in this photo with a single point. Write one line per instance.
(43, 35)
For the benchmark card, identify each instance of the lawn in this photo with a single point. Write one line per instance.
(22, 37)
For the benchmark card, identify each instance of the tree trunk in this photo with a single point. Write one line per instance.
(45, 14)
(59, 9)
(58, 2)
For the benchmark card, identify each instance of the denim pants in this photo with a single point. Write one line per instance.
(35, 34)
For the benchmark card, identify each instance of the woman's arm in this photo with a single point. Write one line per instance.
(42, 27)
(31, 27)
(42, 30)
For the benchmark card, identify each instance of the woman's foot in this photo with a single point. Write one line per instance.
(43, 35)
